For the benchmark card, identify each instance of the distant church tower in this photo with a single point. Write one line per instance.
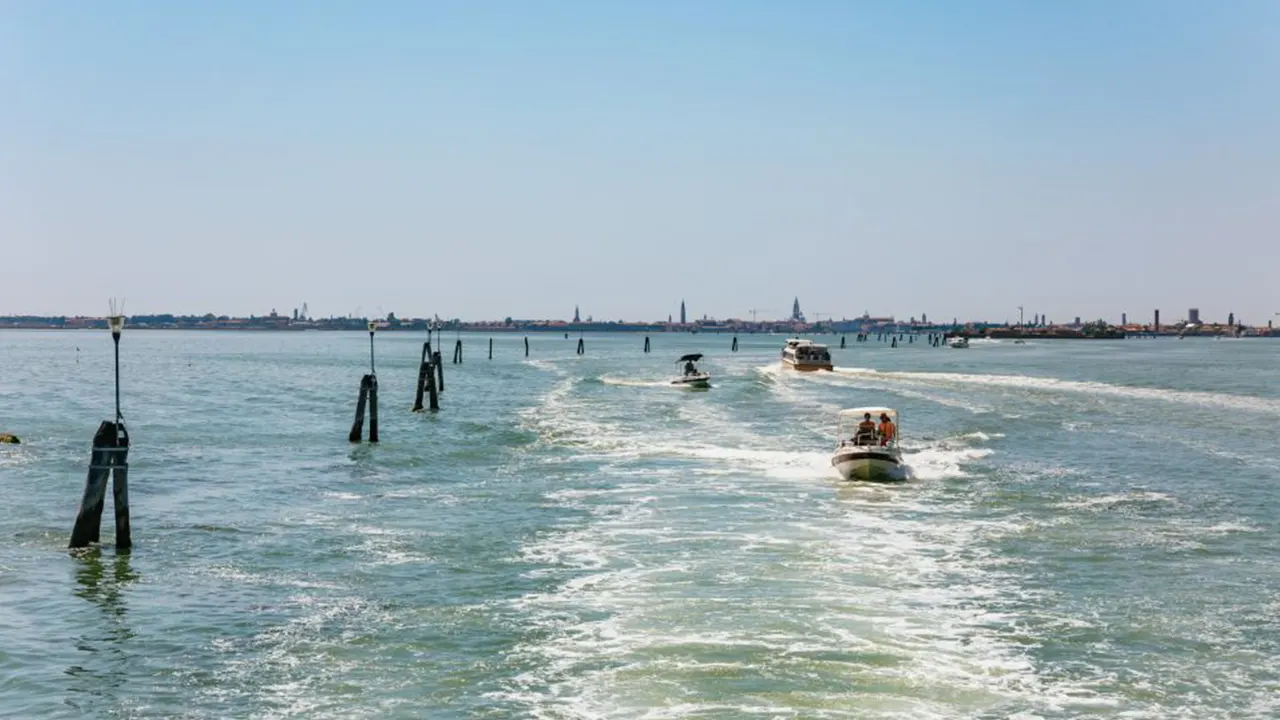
(682, 317)
(796, 315)
(576, 316)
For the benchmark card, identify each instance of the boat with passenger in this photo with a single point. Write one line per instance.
(958, 342)
(691, 376)
(805, 355)
(867, 446)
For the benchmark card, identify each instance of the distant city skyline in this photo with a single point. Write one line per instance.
(483, 160)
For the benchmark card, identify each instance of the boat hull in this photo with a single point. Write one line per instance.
(697, 382)
(869, 464)
(807, 367)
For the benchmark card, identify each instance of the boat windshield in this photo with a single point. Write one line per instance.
(868, 427)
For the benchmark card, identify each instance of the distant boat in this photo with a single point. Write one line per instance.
(958, 343)
(806, 355)
(691, 375)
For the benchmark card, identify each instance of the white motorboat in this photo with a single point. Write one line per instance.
(958, 343)
(868, 448)
(805, 355)
(692, 376)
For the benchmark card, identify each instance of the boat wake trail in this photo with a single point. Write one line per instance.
(1048, 384)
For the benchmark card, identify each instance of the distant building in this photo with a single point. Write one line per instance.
(682, 316)
(576, 316)
(1193, 316)
(796, 315)
(1077, 320)
(1124, 319)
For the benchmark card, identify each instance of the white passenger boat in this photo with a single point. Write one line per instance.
(868, 447)
(805, 355)
(958, 343)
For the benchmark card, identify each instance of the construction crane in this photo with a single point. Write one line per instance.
(753, 312)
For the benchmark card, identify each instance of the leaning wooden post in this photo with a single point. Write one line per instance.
(526, 346)
(424, 368)
(734, 347)
(457, 352)
(357, 427)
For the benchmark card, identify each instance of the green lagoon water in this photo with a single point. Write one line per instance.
(1091, 532)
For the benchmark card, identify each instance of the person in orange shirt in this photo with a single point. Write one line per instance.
(888, 431)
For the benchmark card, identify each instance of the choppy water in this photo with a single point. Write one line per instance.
(1091, 533)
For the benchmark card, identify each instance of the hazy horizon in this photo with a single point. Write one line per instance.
(484, 160)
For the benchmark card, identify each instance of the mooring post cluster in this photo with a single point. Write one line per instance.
(427, 380)
(110, 457)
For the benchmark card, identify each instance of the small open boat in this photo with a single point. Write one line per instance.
(863, 451)
(958, 343)
(691, 376)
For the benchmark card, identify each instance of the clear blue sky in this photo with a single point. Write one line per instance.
(482, 159)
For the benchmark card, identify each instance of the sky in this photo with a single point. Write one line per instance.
(492, 158)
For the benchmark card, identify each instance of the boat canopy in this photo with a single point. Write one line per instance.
(693, 357)
(874, 411)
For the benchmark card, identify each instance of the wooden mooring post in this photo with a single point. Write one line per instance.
(490, 348)
(646, 343)
(734, 346)
(457, 352)
(526, 346)
(427, 381)
(582, 348)
(110, 456)
(368, 398)
(439, 363)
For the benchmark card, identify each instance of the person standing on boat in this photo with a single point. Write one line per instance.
(887, 429)
(689, 369)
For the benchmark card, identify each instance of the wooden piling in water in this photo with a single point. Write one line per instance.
(433, 392)
(526, 346)
(646, 343)
(734, 346)
(357, 426)
(373, 408)
(439, 363)
(110, 457)
(842, 341)
(582, 350)
(457, 352)
(490, 348)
